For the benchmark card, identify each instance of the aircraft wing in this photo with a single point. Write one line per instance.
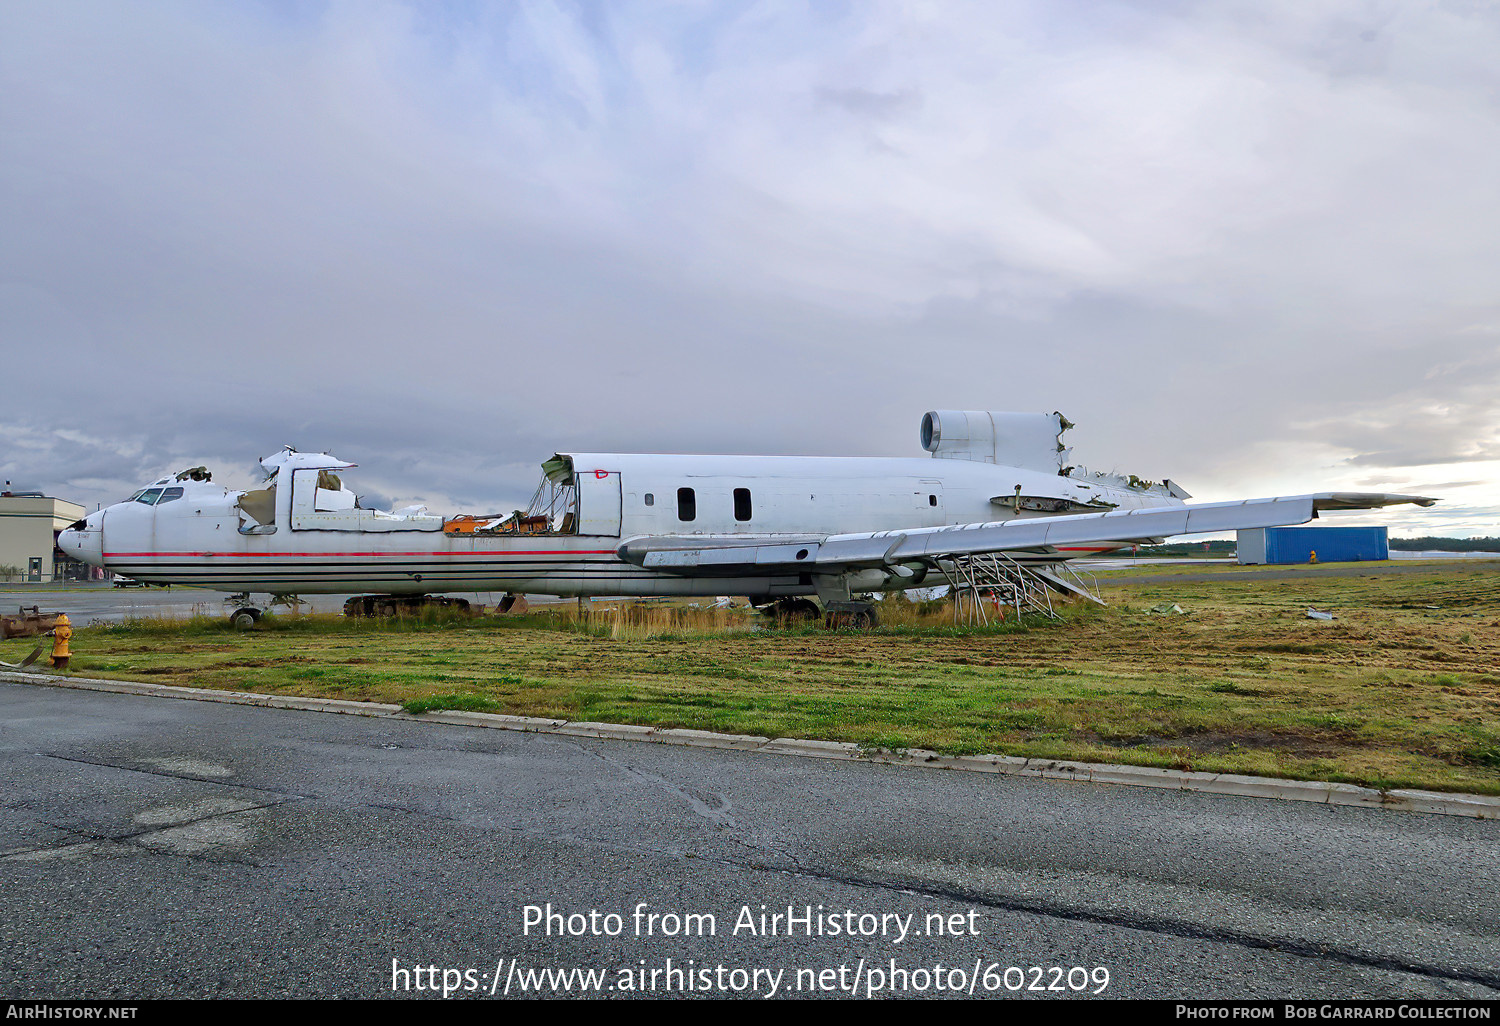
(728, 555)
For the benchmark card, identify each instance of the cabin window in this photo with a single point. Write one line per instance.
(149, 496)
(169, 495)
(932, 500)
(650, 499)
(687, 504)
(742, 504)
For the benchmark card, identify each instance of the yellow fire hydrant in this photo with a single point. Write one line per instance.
(61, 633)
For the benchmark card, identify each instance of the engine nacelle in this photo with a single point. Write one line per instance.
(1030, 440)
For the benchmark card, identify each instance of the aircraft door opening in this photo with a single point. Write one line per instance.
(929, 501)
(598, 502)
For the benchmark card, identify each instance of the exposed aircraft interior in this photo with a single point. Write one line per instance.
(321, 501)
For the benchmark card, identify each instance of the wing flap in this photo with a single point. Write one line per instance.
(718, 556)
(706, 554)
(1039, 532)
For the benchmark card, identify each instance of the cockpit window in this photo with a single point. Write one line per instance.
(156, 496)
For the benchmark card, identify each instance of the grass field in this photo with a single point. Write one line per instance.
(1401, 690)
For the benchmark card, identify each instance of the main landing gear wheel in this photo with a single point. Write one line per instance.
(244, 619)
(403, 605)
(793, 611)
(859, 616)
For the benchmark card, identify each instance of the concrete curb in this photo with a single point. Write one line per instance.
(1437, 803)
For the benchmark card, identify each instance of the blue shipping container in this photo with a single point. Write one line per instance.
(1297, 544)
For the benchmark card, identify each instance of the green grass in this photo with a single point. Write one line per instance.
(466, 702)
(1392, 693)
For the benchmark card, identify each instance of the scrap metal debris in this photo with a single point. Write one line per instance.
(30, 620)
(1167, 609)
(24, 662)
(1318, 614)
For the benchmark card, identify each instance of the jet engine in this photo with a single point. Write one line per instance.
(1030, 440)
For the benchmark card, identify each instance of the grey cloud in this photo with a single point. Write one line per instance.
(1246, 246)
(871, 103)
(1423, 488)
(1418, 457)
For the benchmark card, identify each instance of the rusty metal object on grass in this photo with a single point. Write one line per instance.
(30, 620)
(24, 662)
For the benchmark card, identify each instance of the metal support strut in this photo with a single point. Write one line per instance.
(997, 579)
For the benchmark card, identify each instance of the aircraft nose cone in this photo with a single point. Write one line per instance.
(84, 541)
(69, 542)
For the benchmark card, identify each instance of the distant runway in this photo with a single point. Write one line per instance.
(1287, 573)
(108, 604)
(154, 848)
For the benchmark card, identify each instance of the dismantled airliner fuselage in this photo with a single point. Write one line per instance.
(681, 525)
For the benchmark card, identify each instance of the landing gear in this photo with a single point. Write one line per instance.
(860, 616)
(245, 618)
(245, 613)
(792, 610)
(402, 605)
(856, 614)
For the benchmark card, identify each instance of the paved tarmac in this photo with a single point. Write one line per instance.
(1293, 573)
(88, 603)
(104, 603)
(151, 847)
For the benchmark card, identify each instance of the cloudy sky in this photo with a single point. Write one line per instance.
(1253, 247)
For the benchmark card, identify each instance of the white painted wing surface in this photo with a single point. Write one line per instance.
(692, 555)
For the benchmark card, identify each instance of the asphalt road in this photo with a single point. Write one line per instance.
(151, 847)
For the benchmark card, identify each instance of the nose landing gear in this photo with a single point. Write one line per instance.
(244, 619)
(246, 614)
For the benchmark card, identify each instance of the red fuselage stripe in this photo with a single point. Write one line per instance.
(429, 552)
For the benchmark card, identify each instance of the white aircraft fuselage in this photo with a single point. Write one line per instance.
(307, 533)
